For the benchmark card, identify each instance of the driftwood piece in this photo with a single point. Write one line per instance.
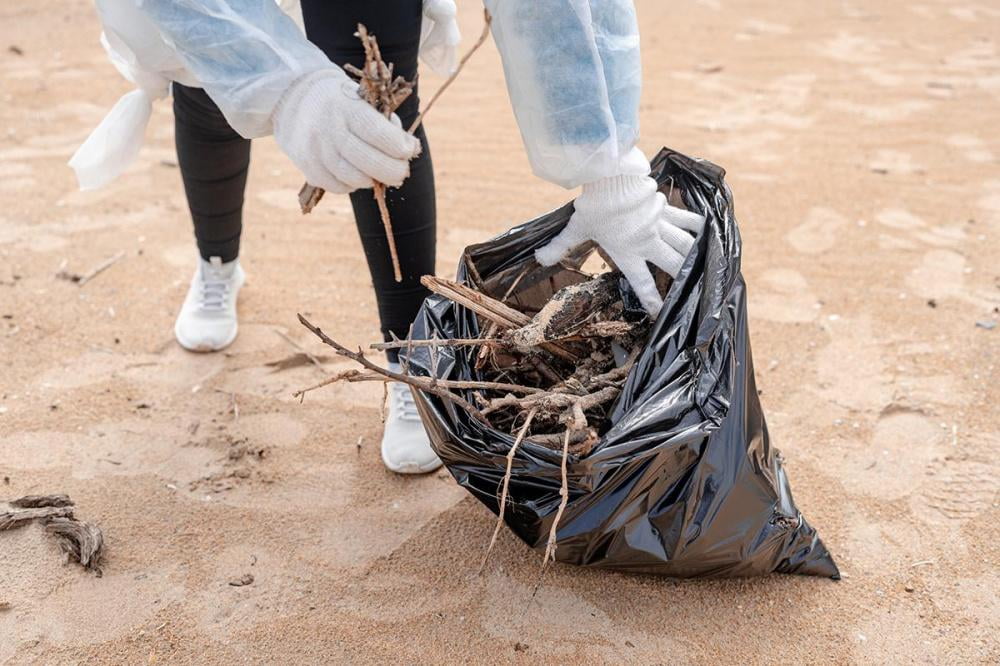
(489, 308)
(569, 310)
(422, 383)
(36, 501)
(505, 486)
(18, 517)
(454, 342)
(80, 541)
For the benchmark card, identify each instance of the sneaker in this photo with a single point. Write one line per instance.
(207, 321)
(406, 448)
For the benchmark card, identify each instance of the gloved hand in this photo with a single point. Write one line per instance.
(632, 221)
(439, 36)
(338, 141)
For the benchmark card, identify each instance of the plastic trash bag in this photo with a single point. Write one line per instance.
(686, 482)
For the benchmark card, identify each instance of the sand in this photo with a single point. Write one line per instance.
(861, 143)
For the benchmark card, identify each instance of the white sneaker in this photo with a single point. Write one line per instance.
(406, 448)
(207, 321)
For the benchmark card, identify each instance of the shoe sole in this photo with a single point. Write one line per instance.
(204, 348)
(411, 467)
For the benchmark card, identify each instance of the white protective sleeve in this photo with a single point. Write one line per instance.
(244, 53)
(140, 50)
(574, 76)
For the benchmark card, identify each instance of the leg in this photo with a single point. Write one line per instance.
(213, 161)
(396, 24)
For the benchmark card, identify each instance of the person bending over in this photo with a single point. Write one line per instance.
(241, 69)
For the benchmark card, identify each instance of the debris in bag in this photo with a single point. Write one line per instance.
(633, 445)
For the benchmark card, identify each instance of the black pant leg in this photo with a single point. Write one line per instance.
(396, 24)
(213, 161)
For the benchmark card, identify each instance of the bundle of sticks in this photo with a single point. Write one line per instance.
(549, 376)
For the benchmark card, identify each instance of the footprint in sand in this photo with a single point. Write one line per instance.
(880, 77)
(941, 274)
(755, 28)
(941, 235)
(957, 492)
(852, 368)
(849, 48)
(888, 161)
(875, 545)
(894, 462)
(819, 232)
(786, 297)
(15, 169)
(574, 625)
(880, 113)
(991, 200)
(971, 148)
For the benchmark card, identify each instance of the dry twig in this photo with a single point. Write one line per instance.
(81, 280)
(505, 485)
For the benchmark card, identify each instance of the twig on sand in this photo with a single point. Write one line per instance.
(81, 280)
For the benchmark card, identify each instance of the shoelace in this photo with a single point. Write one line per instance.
(214, 291)
(406, 404)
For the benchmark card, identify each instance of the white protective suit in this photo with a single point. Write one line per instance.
(575, 97)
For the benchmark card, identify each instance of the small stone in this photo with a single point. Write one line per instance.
(908, 588)
(987, 324)
(245, 579)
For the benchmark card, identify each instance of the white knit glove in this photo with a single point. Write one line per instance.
(632, 221)
(338, 141)
(439, 36)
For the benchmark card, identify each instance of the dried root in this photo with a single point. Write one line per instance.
(80, 541)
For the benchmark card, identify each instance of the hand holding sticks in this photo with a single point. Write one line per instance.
(385, 93)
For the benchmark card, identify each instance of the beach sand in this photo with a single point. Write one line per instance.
(861, 143)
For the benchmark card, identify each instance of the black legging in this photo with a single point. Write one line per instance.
(214, 159)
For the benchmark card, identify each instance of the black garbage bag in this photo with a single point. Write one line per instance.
(685, 482)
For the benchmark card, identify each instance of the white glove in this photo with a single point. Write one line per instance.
(632, 221)
(439, 36)
(338, 141)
